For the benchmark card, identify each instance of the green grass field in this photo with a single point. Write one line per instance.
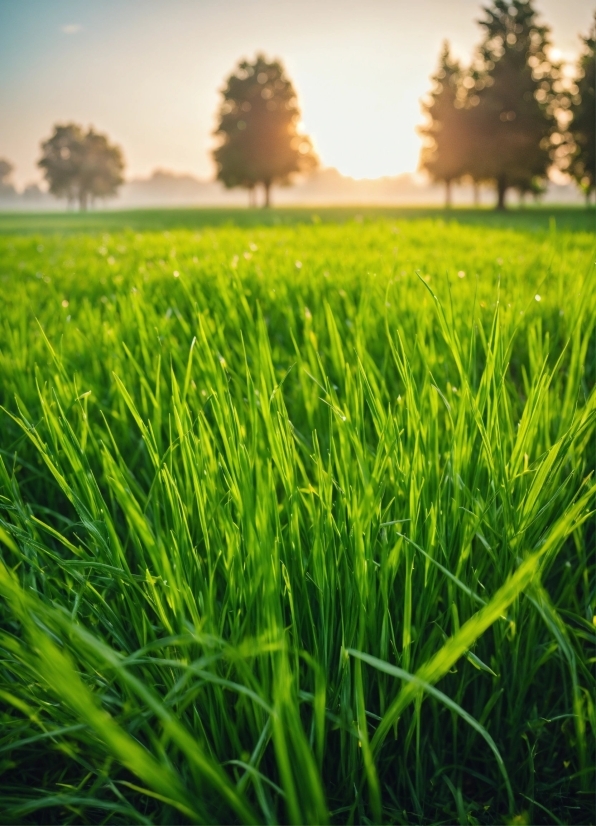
(297, 517)
(531, 218)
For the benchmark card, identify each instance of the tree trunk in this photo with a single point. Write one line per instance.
(267, 186)
(501, 190)
(476, 189)
(82, 201)
(251, 197)
(448, 194)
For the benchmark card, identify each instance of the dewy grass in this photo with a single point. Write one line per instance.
(297, 525)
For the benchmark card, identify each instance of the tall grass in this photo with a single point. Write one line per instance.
(297, 526)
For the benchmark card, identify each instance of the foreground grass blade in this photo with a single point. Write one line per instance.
(297, 522)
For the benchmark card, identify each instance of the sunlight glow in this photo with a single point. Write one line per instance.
(149, 74)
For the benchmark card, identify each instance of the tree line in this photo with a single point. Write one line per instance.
(504, 121)
(512, 113)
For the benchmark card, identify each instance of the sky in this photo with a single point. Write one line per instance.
(147, 72)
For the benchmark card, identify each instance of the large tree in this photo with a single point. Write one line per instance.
(443, 154)
(515, 98)
(582, 164)
(81, 165)
(258, 129)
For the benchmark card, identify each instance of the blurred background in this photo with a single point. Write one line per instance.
(149, 75)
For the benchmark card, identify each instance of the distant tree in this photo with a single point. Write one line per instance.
(7, 190)
(472, 127)
(33, 192)
(536, 187)
(443, 153)
(515, 99)
(81, 166)
(258, 129)
(582, 129)
(6, 170)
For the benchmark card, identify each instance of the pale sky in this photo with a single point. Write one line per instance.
(147, 72)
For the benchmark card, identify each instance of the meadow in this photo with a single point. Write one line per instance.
(297, 517)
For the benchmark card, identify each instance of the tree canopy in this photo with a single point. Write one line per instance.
(258, 129)
(582, 164)
(81, 165)
(515, 97)
(443, 155)
(6, 170)
(494, 121)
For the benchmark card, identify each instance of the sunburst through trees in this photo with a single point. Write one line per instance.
(260, 141)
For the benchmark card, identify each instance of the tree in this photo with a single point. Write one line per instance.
(442, 155)
(7, 190)
(32, 192)
(515, 98)
(81, 165)
(582, 165)
(536, 187)
(258, 129)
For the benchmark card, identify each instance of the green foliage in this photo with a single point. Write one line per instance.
(258, 128)
(583, 126)
(80, 165)
(296, 525)
(570, 219)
